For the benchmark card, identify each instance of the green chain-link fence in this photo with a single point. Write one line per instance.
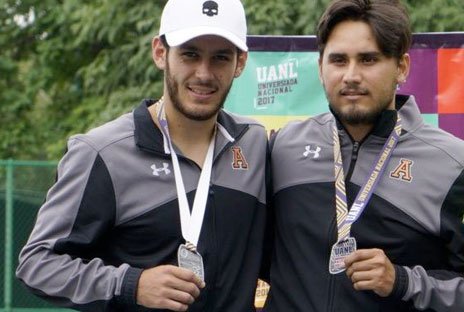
(23, 186)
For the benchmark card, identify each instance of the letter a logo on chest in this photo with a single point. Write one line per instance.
(239, 160)
(403, 170)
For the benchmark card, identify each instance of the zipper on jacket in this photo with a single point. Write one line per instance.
(331, 290)
(210, 305)
(354, 158)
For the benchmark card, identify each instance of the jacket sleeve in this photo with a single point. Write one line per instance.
(60, 260)
(441, 290)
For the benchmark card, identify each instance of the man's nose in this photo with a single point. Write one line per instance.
(203, 71)
(352, 74)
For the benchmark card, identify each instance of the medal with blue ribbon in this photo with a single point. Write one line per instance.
(346, 244)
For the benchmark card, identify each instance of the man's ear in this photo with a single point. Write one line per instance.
(159, 53)
(320, 69)
(404, 64)
(241, 62)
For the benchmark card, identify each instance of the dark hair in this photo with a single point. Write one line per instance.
(164, 42)
(388, 20)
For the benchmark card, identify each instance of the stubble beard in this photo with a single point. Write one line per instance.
(200, 115)
(354, 116)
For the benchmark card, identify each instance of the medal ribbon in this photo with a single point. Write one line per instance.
(345, 218)
(190, 223)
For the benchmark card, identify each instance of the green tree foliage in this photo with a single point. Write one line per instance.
(69, 65)
(75, 66)
(436, 15)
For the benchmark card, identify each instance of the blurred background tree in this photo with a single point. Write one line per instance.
(69, 65)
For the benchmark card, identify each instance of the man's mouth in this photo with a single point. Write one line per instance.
(202, 91)
(353, 92)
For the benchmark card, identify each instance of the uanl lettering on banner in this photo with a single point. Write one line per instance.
(274, 80)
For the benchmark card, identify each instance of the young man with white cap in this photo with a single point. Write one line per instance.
(162, 209)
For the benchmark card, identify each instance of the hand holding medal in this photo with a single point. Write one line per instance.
(370, 269)
(189, 258)
(168, 287)
(340, 251)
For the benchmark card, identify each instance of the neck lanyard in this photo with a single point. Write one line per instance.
(346, 219)
(346, 244)
(191, 223)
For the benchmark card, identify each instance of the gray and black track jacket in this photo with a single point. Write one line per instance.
(414, 215)
(113, 211)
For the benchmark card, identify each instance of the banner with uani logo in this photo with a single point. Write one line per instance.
(281, 82)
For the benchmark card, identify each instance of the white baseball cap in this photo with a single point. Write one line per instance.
(183, 20)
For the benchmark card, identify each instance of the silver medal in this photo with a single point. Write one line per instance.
(191, 259)
(340, 251)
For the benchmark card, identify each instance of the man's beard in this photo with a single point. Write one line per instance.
(173, 91)
(355, 117)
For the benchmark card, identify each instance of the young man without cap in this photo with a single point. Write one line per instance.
(368, 199)
(162, 209)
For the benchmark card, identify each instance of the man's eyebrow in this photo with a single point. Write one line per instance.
(335, 55)
(225, 51)
(188, 47)
(370, 54)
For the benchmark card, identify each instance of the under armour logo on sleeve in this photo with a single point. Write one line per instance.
(164, 169)
(315, 152)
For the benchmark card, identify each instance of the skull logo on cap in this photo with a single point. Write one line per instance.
(210, 8)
